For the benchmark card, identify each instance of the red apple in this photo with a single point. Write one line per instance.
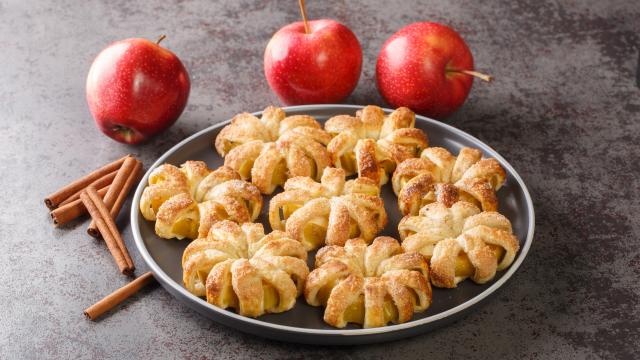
(136, 89)
(427, 67)
(321, 66)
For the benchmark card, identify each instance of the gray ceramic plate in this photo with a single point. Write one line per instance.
(304, 323)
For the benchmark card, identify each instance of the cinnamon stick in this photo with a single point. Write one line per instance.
(72, 210)
(115, 189)
(133, 179)
(98, 184)
(115, 298)
(108, 229)
(52, 201)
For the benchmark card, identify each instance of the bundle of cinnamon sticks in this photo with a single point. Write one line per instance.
(112, 182)
(102, 193)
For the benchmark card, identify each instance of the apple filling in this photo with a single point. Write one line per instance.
(314, 233)
(229, 145)
(413, 148)
(356, 311)
(464, 196)
(407, 233)
(428, 198)
(156, 202)
(270, 297)
(354, 229)
(202, 275)
(388, 166)
(156, 178)
(279, 176)
(221, 212)
(287, 210)
(348, 163)
(245, 169)
(325, 291)
(228, 296)
(495, 181)
(313, 169)
(185, 227)
(464, 268)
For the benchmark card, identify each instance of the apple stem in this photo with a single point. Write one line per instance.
(304, 17)
(479, 75)
(162, 37)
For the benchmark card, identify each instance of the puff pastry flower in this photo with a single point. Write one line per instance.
(368, 285)
(238, 266)
(437, 175)
(270, 149)
(371, 144)
(186, 201)
(460, 242)
(329, 212)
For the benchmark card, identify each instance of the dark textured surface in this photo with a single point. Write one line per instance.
(564, 110)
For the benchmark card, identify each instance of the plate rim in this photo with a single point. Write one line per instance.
(459, 309)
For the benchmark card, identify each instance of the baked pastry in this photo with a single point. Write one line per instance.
(437, 175)
(460, 242)
(273, 148)
(371, 144)
(329, 212)
(186, 201)
(368, 285)
(237, 266)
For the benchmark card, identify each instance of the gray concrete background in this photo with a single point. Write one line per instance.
(564, 110)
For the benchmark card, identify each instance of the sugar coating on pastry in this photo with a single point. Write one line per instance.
(368, 285)
(372, 143)
(460, 242)
(330, 211)
(186, 201)
(438, 175)
(273, 148)
(238, 266)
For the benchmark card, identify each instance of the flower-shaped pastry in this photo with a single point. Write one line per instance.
(186, 201)
(371, 144)
(460, 242)
(437, 175)
(270, 149)
(368, 285)
(329, 212)
(237, 266)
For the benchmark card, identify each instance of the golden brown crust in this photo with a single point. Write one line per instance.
(273, 148)
(439, 176)
(372, 144)
(245, 127)
(239, 267)
(214, 178)
(441, 234)
(242, 157)
(371, 285)
(368, 163)
(186, 201)
(178, 217)
(480, 191)
(329, 212)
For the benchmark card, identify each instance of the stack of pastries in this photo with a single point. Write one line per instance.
(330, 202)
